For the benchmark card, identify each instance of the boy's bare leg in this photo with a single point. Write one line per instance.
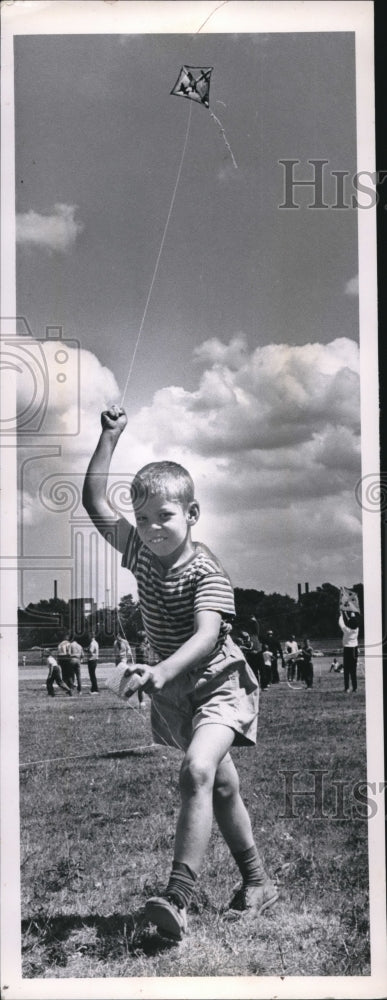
(208, 783)
(229, 809)
(208, 746)
(257, 892)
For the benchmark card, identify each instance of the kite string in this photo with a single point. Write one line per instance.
(158, 257)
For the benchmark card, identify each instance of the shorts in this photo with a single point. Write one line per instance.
(224, 692)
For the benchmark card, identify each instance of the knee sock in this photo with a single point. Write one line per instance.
(250, 866)
(181, 884)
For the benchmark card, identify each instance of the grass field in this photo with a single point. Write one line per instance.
(97, 834)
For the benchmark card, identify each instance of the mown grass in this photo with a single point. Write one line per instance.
(97, 838)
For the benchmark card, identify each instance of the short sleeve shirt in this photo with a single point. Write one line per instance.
(170, 598)
(93, 650)
(350, 635)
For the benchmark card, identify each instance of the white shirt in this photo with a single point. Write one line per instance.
(350, 635)
(292, 646)
(93, 650)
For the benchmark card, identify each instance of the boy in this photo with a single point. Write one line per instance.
(204, 695)
(54, 676)
(122, 650)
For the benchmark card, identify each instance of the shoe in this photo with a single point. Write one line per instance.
(169, 918)
(252, 900)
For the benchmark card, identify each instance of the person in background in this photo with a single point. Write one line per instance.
(307, 653)
(253, 658)
(92, 663)
(275, 648)
(335, 666)
(292, 650)
(76, 656)
(54, 676)
(266, 667)
(245, 642)
(349, 622)
(122, 650)
(63, 653)
(143, 655)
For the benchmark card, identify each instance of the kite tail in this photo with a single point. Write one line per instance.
(225, 140)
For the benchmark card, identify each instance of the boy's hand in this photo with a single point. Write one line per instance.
(148, 677)
(114, 419)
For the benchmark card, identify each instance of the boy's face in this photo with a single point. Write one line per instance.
(164, 525)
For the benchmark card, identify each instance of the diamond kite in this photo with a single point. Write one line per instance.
(194, 82)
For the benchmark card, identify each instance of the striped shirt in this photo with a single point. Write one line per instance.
(170, 598)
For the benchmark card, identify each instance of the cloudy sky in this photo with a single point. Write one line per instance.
(247, 370)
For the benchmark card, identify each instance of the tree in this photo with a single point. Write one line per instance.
(129, 617)
(43, 623)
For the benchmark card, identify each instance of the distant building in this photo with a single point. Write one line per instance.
(80, 609)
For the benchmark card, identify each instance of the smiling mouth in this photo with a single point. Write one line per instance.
(156, 541)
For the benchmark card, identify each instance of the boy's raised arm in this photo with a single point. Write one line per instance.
(110, 525)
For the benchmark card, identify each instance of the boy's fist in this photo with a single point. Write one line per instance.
(114, 419)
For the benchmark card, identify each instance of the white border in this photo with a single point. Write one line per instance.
(121, 16)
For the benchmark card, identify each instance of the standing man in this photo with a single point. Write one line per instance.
(92, 663)
(307, 653)
(64, 659)
(349, 622)
(76, 654)
(274, 645)
(292, 651)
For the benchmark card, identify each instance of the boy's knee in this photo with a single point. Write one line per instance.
(195, 775)
(226, 786)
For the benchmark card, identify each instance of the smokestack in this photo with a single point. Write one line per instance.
(299, 591)
(307, 588)
(55, 590)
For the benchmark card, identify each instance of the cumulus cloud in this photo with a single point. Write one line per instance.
(271, 437)
(273, 397)
(56, 232)
(352, 286)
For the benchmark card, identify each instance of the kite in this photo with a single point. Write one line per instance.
(349, 600)
(194, 82)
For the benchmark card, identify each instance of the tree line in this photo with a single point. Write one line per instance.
(314, 614)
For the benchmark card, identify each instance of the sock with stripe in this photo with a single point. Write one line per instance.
(250, 866)
(181, 884)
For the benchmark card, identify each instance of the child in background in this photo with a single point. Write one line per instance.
(55, 677)
(204, 695)
(122, 650)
